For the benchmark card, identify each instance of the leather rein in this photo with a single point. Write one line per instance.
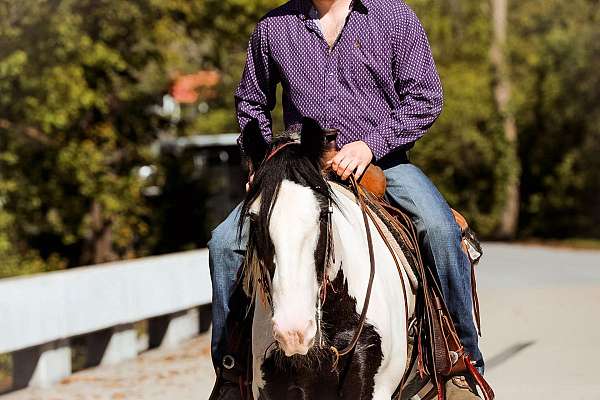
(363, 315)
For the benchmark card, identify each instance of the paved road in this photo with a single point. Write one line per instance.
(541, 337)
(184, 373)
(541, 321)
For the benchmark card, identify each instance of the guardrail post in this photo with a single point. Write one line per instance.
(111, 346)
(41, 366)
(171, 330)
(205, 314)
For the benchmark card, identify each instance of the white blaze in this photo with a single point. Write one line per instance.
(294, 230)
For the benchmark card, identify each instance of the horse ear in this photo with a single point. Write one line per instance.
(254, 144)
(312, 139)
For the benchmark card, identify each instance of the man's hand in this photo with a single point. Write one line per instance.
(352, 158)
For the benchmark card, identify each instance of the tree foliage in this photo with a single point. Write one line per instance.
(78, 79)
(464, 152)
(555, 53)
(554, 56)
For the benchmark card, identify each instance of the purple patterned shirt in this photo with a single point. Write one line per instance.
(378, 83)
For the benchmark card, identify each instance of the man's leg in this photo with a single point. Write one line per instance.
(440, 239)
(226, 254)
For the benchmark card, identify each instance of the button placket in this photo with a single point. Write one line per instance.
(331, 80)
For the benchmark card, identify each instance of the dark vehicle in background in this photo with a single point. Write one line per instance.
(201, 180)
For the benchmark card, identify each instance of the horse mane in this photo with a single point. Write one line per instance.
(289, 163)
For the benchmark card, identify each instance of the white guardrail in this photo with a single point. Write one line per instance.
(39, 314)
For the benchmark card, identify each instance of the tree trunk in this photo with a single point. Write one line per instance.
(98, 246)
(502, 94)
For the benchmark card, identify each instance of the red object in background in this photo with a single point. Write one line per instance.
(188, 88)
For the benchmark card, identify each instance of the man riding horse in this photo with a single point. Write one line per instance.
(365, 69)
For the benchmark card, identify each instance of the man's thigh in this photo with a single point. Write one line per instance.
(225, 259)
(412, 190)
(227, 234)
(226, 253)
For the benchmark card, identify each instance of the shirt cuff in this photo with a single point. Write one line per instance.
(377, 144)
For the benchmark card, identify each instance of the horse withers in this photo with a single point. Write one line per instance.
(314, 263)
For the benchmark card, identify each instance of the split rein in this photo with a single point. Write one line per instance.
(328, 255)
(363, 315)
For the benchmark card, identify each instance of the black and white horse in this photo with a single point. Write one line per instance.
(308, 269)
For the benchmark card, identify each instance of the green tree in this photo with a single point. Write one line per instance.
(465, 153)
(555, 53)
(79, 80)
(226, 30)
(77, 83)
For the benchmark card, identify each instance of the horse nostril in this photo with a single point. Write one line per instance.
(303, 337)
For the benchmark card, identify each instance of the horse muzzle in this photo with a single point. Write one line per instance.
(293, 340)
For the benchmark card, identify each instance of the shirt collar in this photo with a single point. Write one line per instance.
(303, 7)
(366, 4)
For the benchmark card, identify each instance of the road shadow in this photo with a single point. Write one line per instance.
(507, 354)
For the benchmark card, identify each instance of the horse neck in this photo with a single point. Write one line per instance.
(350, 247)
(352, 253)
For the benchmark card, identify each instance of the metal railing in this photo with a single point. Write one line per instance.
(41, 314)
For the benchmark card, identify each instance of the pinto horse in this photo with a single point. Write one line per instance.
(308, 271)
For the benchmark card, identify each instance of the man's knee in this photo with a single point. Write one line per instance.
(224, 237)
(442, 230)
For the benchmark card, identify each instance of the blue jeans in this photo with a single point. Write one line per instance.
(439, 236)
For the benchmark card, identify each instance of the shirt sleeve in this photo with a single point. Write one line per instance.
(417, 84)
(255, 94)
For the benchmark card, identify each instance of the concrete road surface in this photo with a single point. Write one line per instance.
(184, 373)
(541, 322)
